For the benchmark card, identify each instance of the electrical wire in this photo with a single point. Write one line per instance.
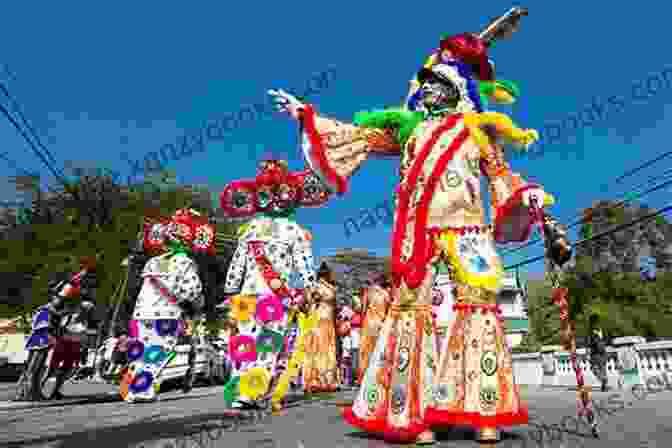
(37, 152)
(616, 180)
(599, 235)
(31, 130)
(642, 166)
(630, 197)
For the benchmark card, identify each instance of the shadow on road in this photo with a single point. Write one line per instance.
(144, 431)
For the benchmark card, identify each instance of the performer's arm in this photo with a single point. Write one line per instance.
(302, 254)
(237, 268)
(335, 150)
(510, 194)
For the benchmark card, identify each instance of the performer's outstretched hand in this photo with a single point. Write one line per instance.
(285, 102)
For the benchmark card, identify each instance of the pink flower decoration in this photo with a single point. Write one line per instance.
(269, 309)
(296, 297)
(134, 329)
(243, 348)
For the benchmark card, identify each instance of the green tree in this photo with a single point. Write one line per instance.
(93, 215)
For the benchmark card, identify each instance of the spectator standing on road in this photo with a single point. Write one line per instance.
(355, 330)
(598, 351)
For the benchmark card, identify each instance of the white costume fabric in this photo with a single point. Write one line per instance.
(158, 320)
(287, 247)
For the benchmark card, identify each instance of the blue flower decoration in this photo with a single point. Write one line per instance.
(135, 350)
(155, 355)
(142, 382)
(166, 327)
(479, 264)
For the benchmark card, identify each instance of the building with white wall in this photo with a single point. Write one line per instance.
(513, 301)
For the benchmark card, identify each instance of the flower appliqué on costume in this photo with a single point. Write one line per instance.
(141, 382)
(243, 307)
(404, 359)
(372, 397)
(254, 383)
(488, 396)
(269, 309)
(155, 355)
(444, 393)
(489, 363)
(269, 341)
(135, 350)
(243, 348)
(166, 327)
(398, 401)
(203, 238)
(479, 264)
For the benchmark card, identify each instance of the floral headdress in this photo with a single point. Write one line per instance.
(275, 191)
(185, 231)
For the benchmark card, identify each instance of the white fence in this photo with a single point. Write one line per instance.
(631, 360)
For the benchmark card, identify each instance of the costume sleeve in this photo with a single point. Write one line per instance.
(302, 254)
(512, 220)
(334, 150)
(188, 287)
(237, 268)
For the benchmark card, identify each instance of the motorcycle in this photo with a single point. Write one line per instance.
(37, 346)
(49, 328)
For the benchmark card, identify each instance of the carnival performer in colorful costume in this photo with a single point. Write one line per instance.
(320, 369)
(375, 304)
(272, 248)
(172, 291)
(444, 150)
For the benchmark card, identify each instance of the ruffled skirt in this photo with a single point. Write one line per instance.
(397, 385)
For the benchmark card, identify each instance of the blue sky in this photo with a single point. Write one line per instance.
(99, 80)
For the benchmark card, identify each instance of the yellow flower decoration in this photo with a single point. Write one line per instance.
(243, 307)
(308, 323)
(254, 383)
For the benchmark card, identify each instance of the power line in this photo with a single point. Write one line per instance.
(17, 108)
(628, 198)
(642, 166)
(32, 146)
(665, 173)
(599, 235)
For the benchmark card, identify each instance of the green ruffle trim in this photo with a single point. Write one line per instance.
(403, 121)
(487, 88)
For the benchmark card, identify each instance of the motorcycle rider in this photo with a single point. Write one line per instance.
(69, 319)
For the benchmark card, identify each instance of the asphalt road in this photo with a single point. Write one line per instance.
(97, 419)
